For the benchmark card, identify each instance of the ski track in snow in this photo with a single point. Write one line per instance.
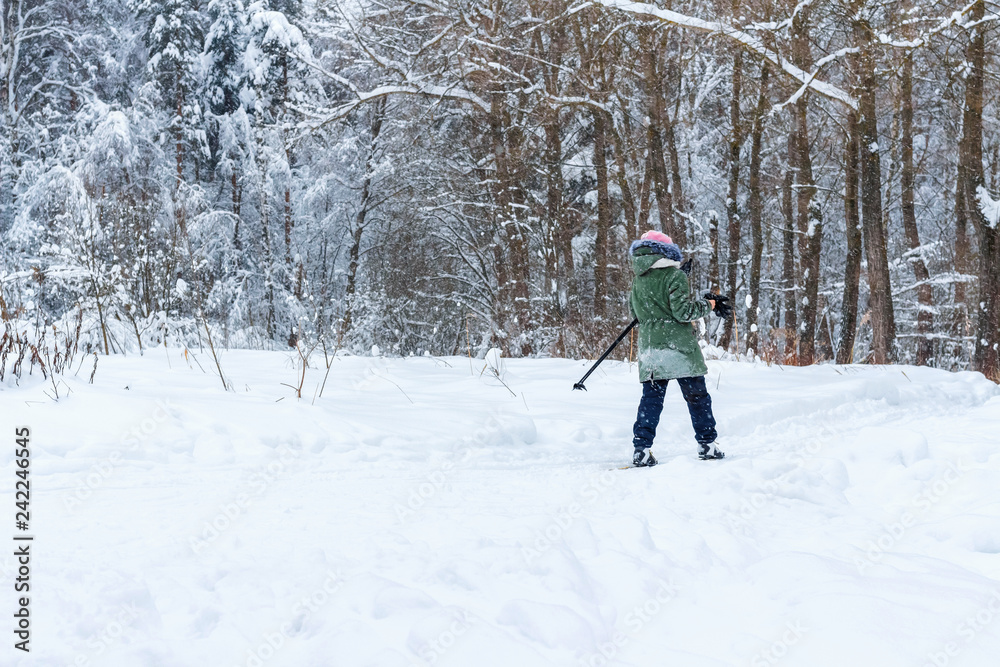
(419, 514)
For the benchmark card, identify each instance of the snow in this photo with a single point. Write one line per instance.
(416, 88)
(495, 362)
(421, 513)
(747, 39)
(989, 206)
(278, 32)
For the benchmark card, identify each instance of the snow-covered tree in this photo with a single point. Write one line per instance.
(259, 167)
(225, 44)
(174, 36)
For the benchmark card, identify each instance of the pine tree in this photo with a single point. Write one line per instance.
(274, 64)
(225, 44)
(174, 36)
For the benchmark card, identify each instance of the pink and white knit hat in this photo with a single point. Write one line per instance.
(660, 237)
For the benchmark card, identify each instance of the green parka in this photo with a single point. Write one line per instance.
(662, 301)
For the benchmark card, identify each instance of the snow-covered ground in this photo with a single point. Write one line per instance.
(421, 513)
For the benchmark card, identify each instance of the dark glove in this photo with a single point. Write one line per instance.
(687, 265)
(722, 307)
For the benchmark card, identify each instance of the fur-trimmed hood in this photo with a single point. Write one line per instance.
(668, 250)
(647, 254)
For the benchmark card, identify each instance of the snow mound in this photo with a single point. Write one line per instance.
(418, 513)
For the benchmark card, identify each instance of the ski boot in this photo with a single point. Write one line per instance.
(643, 458)
(710, 452)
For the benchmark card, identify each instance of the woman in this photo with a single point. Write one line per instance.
(668, 348)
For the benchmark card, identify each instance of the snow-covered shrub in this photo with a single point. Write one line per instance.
(24, 346)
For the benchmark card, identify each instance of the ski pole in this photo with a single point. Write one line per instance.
(579, 385)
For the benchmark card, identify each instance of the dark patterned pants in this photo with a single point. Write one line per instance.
(699, 405)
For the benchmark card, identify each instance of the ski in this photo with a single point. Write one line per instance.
(720, 458)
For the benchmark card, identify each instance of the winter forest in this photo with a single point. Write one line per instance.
(446, 176)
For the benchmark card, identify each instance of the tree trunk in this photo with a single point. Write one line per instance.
(179, 160)
(732, 210)
(756, 213)
(961, 316)
(512, 268)
(288, 163)
(810, 225)
(654, 140)
(879, 283)
(558, 270)
(360, 222)
(680, 224)
(986, 358)
(237, 197)
(925, 297)
(808, 222)
(564, 243)
(288, 227)
(988, 322)
(852, 266)
(352, 274)
(713, 261)
(269, 316)
(501, 199)
(628, 200)
(642, 222)
(555, 272)
(788, 260)
(601, 274)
